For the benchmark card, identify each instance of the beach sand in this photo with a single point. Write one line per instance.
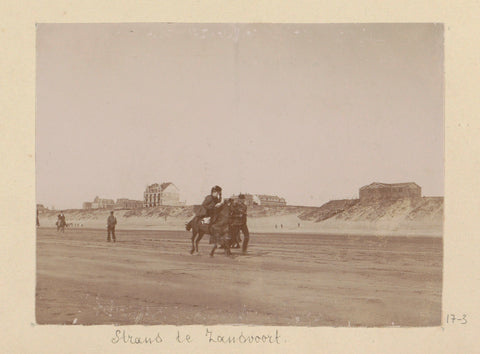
(149, 277)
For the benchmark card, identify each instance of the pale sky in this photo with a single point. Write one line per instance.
(307, 112)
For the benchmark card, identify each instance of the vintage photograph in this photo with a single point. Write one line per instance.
(239, 173)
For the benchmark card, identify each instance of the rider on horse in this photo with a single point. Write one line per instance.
(207, 207)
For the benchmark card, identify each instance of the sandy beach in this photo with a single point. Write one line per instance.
(148, 277)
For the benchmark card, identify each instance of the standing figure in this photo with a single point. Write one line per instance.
(206, 209)
(111, 222)
(239, 222)
(60, 222)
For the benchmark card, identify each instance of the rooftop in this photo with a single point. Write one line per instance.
(390, 185)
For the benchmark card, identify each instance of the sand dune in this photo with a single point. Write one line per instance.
(403, 217)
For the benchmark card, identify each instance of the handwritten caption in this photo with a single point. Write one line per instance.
(122, 336)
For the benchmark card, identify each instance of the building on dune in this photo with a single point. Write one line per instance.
(125, 203)
(384, 191)
(161, 194)
(99, 203)
(41, 208)
(263, 200)
(250, 199)
(271, 200)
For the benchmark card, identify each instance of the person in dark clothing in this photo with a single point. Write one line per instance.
(207, 207)
(236, 221)
(239, 222)
(61, 223)
(246, 234)
(111, 223)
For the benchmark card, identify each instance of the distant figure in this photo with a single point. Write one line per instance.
(275, 225)
(298, 224)
(281, 226)
(239, 223)
(61, 222)
(206, 209)
(111, 222)
(38, 221)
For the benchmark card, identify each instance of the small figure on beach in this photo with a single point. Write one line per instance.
(61, 223)
(111, 223)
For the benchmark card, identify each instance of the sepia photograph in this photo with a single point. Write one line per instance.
(265, 174)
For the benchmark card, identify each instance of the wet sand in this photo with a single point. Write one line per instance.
(149, 277)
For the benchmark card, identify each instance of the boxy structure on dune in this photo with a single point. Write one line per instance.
(263, 200)
(384, 191)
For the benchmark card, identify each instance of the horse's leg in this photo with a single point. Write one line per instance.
(194, 234)
(228, 244)
(214, 248)
(227, 248)
(200, 236)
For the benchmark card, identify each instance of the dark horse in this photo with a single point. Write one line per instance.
(219, 229)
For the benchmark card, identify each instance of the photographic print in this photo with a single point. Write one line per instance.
(240, 173)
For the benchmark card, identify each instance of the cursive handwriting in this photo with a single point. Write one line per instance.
(264, 338)
(123, 337)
